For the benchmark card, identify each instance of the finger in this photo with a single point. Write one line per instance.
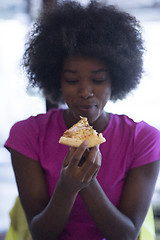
(84, 157)
(93, 171)
(91, 156)
(88, 164)
(82, 160)
(99, 160)
(76, 157)
(69, 156)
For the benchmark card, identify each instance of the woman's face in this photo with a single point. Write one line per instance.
(86, 87)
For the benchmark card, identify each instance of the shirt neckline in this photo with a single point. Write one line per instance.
(64, 127)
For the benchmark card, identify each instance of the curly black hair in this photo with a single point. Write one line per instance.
(97, 31)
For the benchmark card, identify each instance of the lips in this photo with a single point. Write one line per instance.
(86, 108)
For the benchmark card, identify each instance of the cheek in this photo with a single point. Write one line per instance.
(108, 93)
(105, 94)
(68, 94)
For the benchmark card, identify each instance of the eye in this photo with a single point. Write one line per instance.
(71, 81)
(99, 80)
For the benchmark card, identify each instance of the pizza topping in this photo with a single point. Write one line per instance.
(81, 130)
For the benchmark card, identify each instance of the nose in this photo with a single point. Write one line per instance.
(85, 90)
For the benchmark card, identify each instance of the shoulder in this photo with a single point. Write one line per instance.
(144, 130)
(36, 122)
(25, 136)
(143, 139)
(147, 140)
(140, 129)
(36, 126)
(122, 126)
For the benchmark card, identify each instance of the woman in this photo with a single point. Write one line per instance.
(84, 57)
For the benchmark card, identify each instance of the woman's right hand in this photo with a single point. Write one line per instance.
(74, 176)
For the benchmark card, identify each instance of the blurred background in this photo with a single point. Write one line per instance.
(17, 102)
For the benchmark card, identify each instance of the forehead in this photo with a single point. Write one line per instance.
(83, 63)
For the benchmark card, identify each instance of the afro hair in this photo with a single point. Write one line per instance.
(95, 30)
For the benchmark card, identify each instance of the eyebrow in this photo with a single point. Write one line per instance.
(99, 71)
(69, 71)
(94, 71)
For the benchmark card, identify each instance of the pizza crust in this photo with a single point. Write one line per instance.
(73, 142)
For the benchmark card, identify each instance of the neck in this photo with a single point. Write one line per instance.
(102, 122)
(99, 124)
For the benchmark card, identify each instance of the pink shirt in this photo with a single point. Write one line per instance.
(128, 145)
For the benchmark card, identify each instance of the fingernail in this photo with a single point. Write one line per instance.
(85, 142)
(98, 147)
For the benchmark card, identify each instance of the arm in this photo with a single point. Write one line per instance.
(124, 222)
(47, 217)
(40, 210)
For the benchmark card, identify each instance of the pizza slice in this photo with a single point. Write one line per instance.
(79, 132)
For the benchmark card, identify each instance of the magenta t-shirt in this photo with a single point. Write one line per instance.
(128, 145)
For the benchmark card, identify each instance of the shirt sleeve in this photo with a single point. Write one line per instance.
(23, 138)
(146, 145)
